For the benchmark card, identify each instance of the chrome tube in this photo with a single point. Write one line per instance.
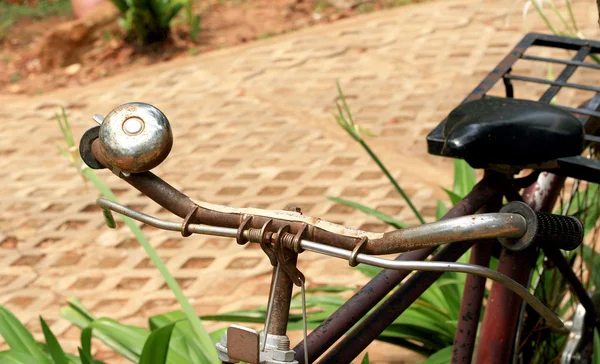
(163, 224)
(481, 226)
(552, 319)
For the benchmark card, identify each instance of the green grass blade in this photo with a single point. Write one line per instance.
(121, 5)
(354, 131)
(454, 197)
(126, 340)
(443, 356)
(245, 316)
(157, 346)
(216, 335)
(202, 335)
(371, 211)
(369, 270)
(365, 359)
(15, 357)
(440, 210)
(76, 314)
(464, 178)
(183, 347)
(109, 218)
(85, 359)
(56, 351)
(329, 289)
(18, 338)
(68, 131)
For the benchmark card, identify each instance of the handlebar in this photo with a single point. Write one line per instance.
(137, 137)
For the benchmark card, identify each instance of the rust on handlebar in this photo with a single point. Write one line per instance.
(397, 241)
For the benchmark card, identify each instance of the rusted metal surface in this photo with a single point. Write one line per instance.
(331, 329)
(373, 325)
(283, 296)
(499, 324)
(470, 308)
(542, 195)
(393, 242)
(498, 330)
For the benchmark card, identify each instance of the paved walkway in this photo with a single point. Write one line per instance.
(253, 126)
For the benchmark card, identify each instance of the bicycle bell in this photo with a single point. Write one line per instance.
(135, 137)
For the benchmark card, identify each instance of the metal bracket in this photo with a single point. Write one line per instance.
(352, 261)
(263, 245)
(239, 238)
(243, 344)
(186, 222)
(295, 275)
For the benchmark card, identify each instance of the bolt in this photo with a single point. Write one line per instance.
(283, 344)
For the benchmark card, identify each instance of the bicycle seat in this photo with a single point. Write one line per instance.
(512, 132)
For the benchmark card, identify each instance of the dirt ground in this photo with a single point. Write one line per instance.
(25, 49)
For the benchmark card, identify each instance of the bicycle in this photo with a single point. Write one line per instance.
(501, 135)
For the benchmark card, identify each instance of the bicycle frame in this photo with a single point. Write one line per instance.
(497, 335)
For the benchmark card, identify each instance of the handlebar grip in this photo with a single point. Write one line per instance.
(558, 231)
(546, 230)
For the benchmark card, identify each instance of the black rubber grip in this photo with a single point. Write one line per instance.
(557, 231)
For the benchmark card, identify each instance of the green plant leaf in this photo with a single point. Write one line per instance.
(365, 359)
(370, 211)
(183, 347)
(126, 340)
(329, 289)
(216, 335)
(170, 14)
(454, 197)
(76, 313)
(121, 5)
(443, 356)
(464, 178)
(85, 359)
(247, 316)
(156, 346)
(56, 351)
(15, 357)
(109, 219)
(593, 262)
(18, 338)
(369, 270)
(201, 334)
(440, 210)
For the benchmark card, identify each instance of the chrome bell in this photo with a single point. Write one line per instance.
(135, 137)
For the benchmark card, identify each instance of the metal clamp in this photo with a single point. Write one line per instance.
(239, 237)
(263, 245)
(186, 222)
(297, 241)
(295, 275)
(352, 260)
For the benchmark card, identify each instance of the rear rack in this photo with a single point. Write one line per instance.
(577, 166)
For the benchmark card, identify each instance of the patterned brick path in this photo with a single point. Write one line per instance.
(253, 126)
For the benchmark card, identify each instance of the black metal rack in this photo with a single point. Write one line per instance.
(577, 166)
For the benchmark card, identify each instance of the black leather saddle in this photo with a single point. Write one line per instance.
(511, 132)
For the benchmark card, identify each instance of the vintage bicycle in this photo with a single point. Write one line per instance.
(504, 136)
